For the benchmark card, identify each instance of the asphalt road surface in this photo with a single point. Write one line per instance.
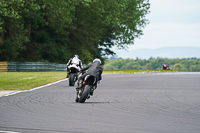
(122, 103)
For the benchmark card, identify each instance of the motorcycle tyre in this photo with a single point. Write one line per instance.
(71, 79)
(85, 94)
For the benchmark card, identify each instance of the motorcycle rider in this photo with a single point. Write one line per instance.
(164, 67)
(93, 68)
(75, 60)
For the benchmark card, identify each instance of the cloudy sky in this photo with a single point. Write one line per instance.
(172, 23)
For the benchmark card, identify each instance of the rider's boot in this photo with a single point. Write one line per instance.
(67, 75)
(79, 84)
(92, 89)
(88, 96)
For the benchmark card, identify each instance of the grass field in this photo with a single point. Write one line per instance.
(29, 80)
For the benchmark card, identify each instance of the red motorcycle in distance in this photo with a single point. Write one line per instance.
(166, 67)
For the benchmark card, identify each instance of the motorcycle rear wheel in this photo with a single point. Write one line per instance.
(71, 79)
(84, 96)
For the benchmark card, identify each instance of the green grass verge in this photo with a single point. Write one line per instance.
(29, 80)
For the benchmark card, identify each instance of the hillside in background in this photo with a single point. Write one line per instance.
(189, 64)
(165, 52)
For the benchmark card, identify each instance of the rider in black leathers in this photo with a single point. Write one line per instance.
(93, 68)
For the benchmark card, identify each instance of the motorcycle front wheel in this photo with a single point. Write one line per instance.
(85, 93)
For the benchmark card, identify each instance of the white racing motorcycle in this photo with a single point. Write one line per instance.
(74, 72)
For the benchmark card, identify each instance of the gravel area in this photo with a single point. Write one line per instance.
(3, 92)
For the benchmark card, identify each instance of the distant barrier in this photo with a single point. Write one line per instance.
(31, 66)
(3, 66)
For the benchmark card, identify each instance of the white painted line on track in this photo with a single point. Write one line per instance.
(8, 132)
(34, 89)
(47, 85)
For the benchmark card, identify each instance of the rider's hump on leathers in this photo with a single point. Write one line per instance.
(94, 68)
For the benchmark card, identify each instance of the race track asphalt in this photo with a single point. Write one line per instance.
(122, 103)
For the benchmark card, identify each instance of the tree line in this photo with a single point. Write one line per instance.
(55, 30)
(186, 64)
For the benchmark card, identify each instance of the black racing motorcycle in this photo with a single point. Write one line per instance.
(73, 74)
(86, 90)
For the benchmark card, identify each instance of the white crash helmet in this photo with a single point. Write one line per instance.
(97, 60)
(76, 56)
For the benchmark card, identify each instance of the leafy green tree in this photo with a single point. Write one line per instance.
(55, 30)
(177, 66)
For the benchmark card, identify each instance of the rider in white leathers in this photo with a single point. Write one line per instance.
(75, 60)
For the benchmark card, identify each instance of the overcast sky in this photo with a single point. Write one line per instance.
(172, 23)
